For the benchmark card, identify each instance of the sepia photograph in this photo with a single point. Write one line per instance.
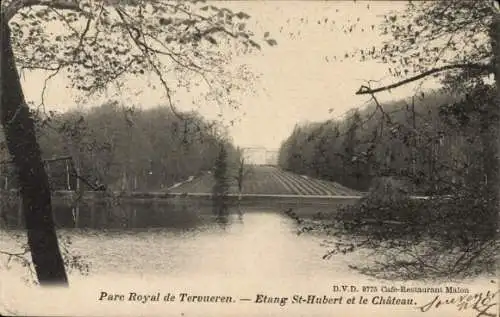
(249, 158)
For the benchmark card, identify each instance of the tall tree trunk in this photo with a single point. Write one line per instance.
(489, 135)
(33, 181)
(493, 112)
(496, 104)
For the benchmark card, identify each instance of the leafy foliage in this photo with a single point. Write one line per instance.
(434, 147)
(430, 34)
(187, 44)
(403, 238)
(97, 43)
(221, 186)
(446, 147)
(72, 260)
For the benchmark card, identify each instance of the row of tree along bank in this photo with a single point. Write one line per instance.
(125, 149)
(432, 145)
(439, 146)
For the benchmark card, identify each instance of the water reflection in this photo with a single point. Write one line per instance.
(132, 215)
(220, 209)
(176, 246)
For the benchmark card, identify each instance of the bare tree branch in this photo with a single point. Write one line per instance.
(55, 159)
(145, 50)
(363, 90)
(82, 36)
(45, 82)
(28, 65)
(379, 107)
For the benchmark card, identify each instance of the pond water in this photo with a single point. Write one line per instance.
(188, 250)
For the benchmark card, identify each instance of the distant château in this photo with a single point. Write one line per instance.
(260, 156)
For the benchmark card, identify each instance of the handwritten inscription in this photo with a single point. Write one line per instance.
(483, 303)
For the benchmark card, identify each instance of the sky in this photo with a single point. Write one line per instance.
(301, 79)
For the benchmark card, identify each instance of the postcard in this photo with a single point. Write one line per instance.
(249, 158)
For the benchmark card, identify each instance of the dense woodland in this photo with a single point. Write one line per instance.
(125, 149)
(431, 144)
(438, 145)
